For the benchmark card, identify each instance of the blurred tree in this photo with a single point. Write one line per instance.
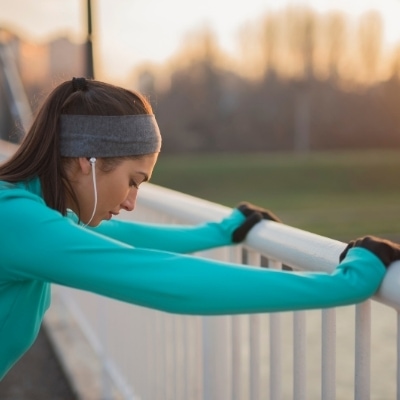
(301, 25)
(269, 41)
(395, 65)
(370, 42)
(335, 39)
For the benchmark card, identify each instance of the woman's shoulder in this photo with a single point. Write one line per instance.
(20, 201)
(21, 206)
(30, 189)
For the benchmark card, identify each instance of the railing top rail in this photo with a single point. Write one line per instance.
(293, 247)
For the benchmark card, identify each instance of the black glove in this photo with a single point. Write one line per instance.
(384, 249)
(253, 214)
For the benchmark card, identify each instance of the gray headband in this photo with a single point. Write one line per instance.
(108, 136)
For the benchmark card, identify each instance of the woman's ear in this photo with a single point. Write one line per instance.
(85, 165)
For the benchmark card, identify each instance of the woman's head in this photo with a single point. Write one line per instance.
(77, 119)
(103, 187)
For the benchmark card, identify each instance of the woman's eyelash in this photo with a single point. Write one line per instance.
(134, 184)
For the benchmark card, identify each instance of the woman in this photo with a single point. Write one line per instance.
(88, 151)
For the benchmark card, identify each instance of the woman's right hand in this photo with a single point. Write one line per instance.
(384, 249)
(253, 214)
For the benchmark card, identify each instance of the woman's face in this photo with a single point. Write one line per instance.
(116, 190)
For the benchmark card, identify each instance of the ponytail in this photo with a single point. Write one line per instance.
(38, 154)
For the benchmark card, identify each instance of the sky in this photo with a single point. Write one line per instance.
(130, 32)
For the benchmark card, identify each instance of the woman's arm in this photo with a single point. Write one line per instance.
(188, 239)
(39, 244)
(175, 238)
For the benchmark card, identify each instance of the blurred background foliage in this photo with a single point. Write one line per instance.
(341, 195)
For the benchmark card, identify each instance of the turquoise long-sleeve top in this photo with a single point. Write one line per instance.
(144, 264)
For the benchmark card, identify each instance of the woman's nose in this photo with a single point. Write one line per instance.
(129, 203)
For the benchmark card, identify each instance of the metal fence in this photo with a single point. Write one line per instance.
(344, 353)
(15, 110)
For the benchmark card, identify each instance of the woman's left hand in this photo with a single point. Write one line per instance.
(384, 249)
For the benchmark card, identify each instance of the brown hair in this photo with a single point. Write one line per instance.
(38, 155)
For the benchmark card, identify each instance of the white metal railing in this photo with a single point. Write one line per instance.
(344, 353)
(14, 89)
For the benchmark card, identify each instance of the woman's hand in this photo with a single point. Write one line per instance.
(384, 249)
(253, 214)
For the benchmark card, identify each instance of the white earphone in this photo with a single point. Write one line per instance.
(92, 161)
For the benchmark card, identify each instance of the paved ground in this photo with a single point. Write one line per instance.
(37, 376)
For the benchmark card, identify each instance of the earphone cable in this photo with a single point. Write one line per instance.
(93, 164)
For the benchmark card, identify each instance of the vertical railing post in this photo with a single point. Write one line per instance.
(299, 356)
(235, 255)
(362, 351)
(254, 258)
(207, 359)
(275, 344)
(328, 352)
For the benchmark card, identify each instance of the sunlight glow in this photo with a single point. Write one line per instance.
(128, 32)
